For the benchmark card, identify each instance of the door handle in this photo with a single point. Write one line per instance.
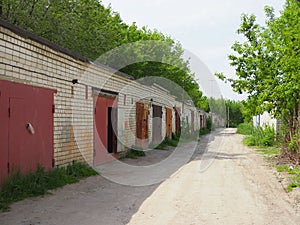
(30, 128)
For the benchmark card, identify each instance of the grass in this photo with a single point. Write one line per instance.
(168, 142)
(294, 172)
(18, 187)
(204, 131)
(257, 136)
(245, 128)
(164, 145)
(295, 175)
(134, 152)
(190, 137)
(272, 151)
(287, 169)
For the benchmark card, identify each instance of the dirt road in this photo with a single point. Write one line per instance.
(224, 183)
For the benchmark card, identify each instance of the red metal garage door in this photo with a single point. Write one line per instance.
(27, 137)
(4, 101)
(105, 128)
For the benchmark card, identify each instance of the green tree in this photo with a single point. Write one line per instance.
(267, 66)
(88, 28)
(234, 113)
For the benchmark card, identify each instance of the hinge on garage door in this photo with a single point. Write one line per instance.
(9, 112)
(53, 163)
(53, 108)
(8, 169)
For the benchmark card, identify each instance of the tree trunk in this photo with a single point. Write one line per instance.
(1, 8)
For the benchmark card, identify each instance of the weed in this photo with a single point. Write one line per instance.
(134, 152)
(175, 136)
(293, 143)
(292, 185)
(282, 168)
(245, 128)
(209, 123)
(268, 136)
(204, 131)
(257, 136)
(170, 142)
(161, 146)
(293, 171)
(295, 178)
(269, 151)
(249, 141)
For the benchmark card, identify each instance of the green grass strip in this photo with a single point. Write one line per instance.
(18, 187)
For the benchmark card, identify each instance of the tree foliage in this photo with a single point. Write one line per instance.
(234, 113)
(90, 29)
(267, 66)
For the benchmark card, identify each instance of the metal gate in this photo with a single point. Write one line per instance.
(169, 122)
(177, 120)
(26, 134)
(142, 113)
(157, 124)
(192, 121)
(105, 127)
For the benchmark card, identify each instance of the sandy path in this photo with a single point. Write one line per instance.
(235, 189)
(228, 184)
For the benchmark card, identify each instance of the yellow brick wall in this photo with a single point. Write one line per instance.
(29, 62)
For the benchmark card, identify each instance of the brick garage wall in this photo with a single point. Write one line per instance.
(29, 61)
(135, 92)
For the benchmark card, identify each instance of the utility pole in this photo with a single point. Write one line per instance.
(228, 117)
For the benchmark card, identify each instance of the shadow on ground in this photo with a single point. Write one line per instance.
(97, 200)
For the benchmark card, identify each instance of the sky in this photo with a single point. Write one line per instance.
(206, 28)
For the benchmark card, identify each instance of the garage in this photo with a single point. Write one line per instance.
(168, 122)
(26, 134)
(105, 126)
(142, 113)
(157, 124)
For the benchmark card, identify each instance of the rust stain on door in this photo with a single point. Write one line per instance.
(105, 128)
(169, 122)
(177, 120)
(142, 114)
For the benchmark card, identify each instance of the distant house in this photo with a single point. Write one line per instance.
(266, 119)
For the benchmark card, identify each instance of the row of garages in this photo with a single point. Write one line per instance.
(56, 107)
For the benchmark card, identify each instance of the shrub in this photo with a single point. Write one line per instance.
(203, 131)
(257, 136)
(175, 136)
(170, 142)
(185, 129)
(268, 138)
(293, 143)
(250, 141)
(209, 123)
(134, 152)
(245, 128)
